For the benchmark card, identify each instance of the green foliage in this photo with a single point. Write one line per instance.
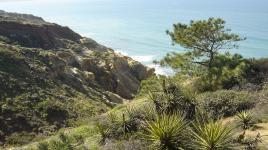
(142, 113)
(209, 34)
(57, 145)
(129, 144)
(258, 70)
(103, 131)
(61, 143)
(224, 103)
(227, 71)
(34, 100)
(118, 126)
(20, 138)
(42, 146)
(151, 84)
(174, 98)
(203, 39)
(167, 131)
(212, 136)
(245, 119)
(181, 62)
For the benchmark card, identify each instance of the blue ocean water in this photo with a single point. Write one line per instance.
(137, 27)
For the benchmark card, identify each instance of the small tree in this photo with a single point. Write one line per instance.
(203, 39)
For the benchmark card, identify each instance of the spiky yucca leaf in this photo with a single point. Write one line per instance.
(245, 119)
(167, 131)
(212, 136)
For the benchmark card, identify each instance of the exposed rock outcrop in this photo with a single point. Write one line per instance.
(113, 72)
(50, 75)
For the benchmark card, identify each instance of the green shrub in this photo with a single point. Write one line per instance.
(224, 103)
(212, 136)
(258, 70)
(167, 132)
(173, 99)
(20, 138)
(245, 119)
(57, 145)
(42, 146)
(151, 84)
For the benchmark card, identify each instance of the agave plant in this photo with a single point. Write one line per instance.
(167, 132)
(212, 136)
(245, 119)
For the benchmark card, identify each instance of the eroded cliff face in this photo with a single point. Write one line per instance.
(116, 73)
(113, 72)
(50, 75)
(37, 36)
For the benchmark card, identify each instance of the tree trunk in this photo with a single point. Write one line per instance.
(211, 58)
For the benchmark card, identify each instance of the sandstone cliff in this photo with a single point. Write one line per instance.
(50, 76)
(113, 72)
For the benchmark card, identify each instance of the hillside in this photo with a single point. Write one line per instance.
(51, 77)
(62, 91)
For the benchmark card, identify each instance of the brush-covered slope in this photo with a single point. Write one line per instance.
(50, 75)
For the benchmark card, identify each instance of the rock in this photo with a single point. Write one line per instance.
(91, 60)
(68, 57)
(56, 75)
(141, 72)
(43, 35)
(89, 76)
(57, 66)
(117, 73)
(114, 98)
(93, 45)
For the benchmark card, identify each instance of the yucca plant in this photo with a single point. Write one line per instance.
(245, 119)
(212, 136)
(104, 132)
(167, 132)
(174, 98)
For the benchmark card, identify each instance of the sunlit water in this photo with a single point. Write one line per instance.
(137, 27)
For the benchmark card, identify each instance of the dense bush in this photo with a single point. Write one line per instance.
(123, 125)
(151, 84)
(174, 98)
(225, 103)
(258, 70)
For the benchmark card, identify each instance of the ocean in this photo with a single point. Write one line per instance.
(137, 27)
